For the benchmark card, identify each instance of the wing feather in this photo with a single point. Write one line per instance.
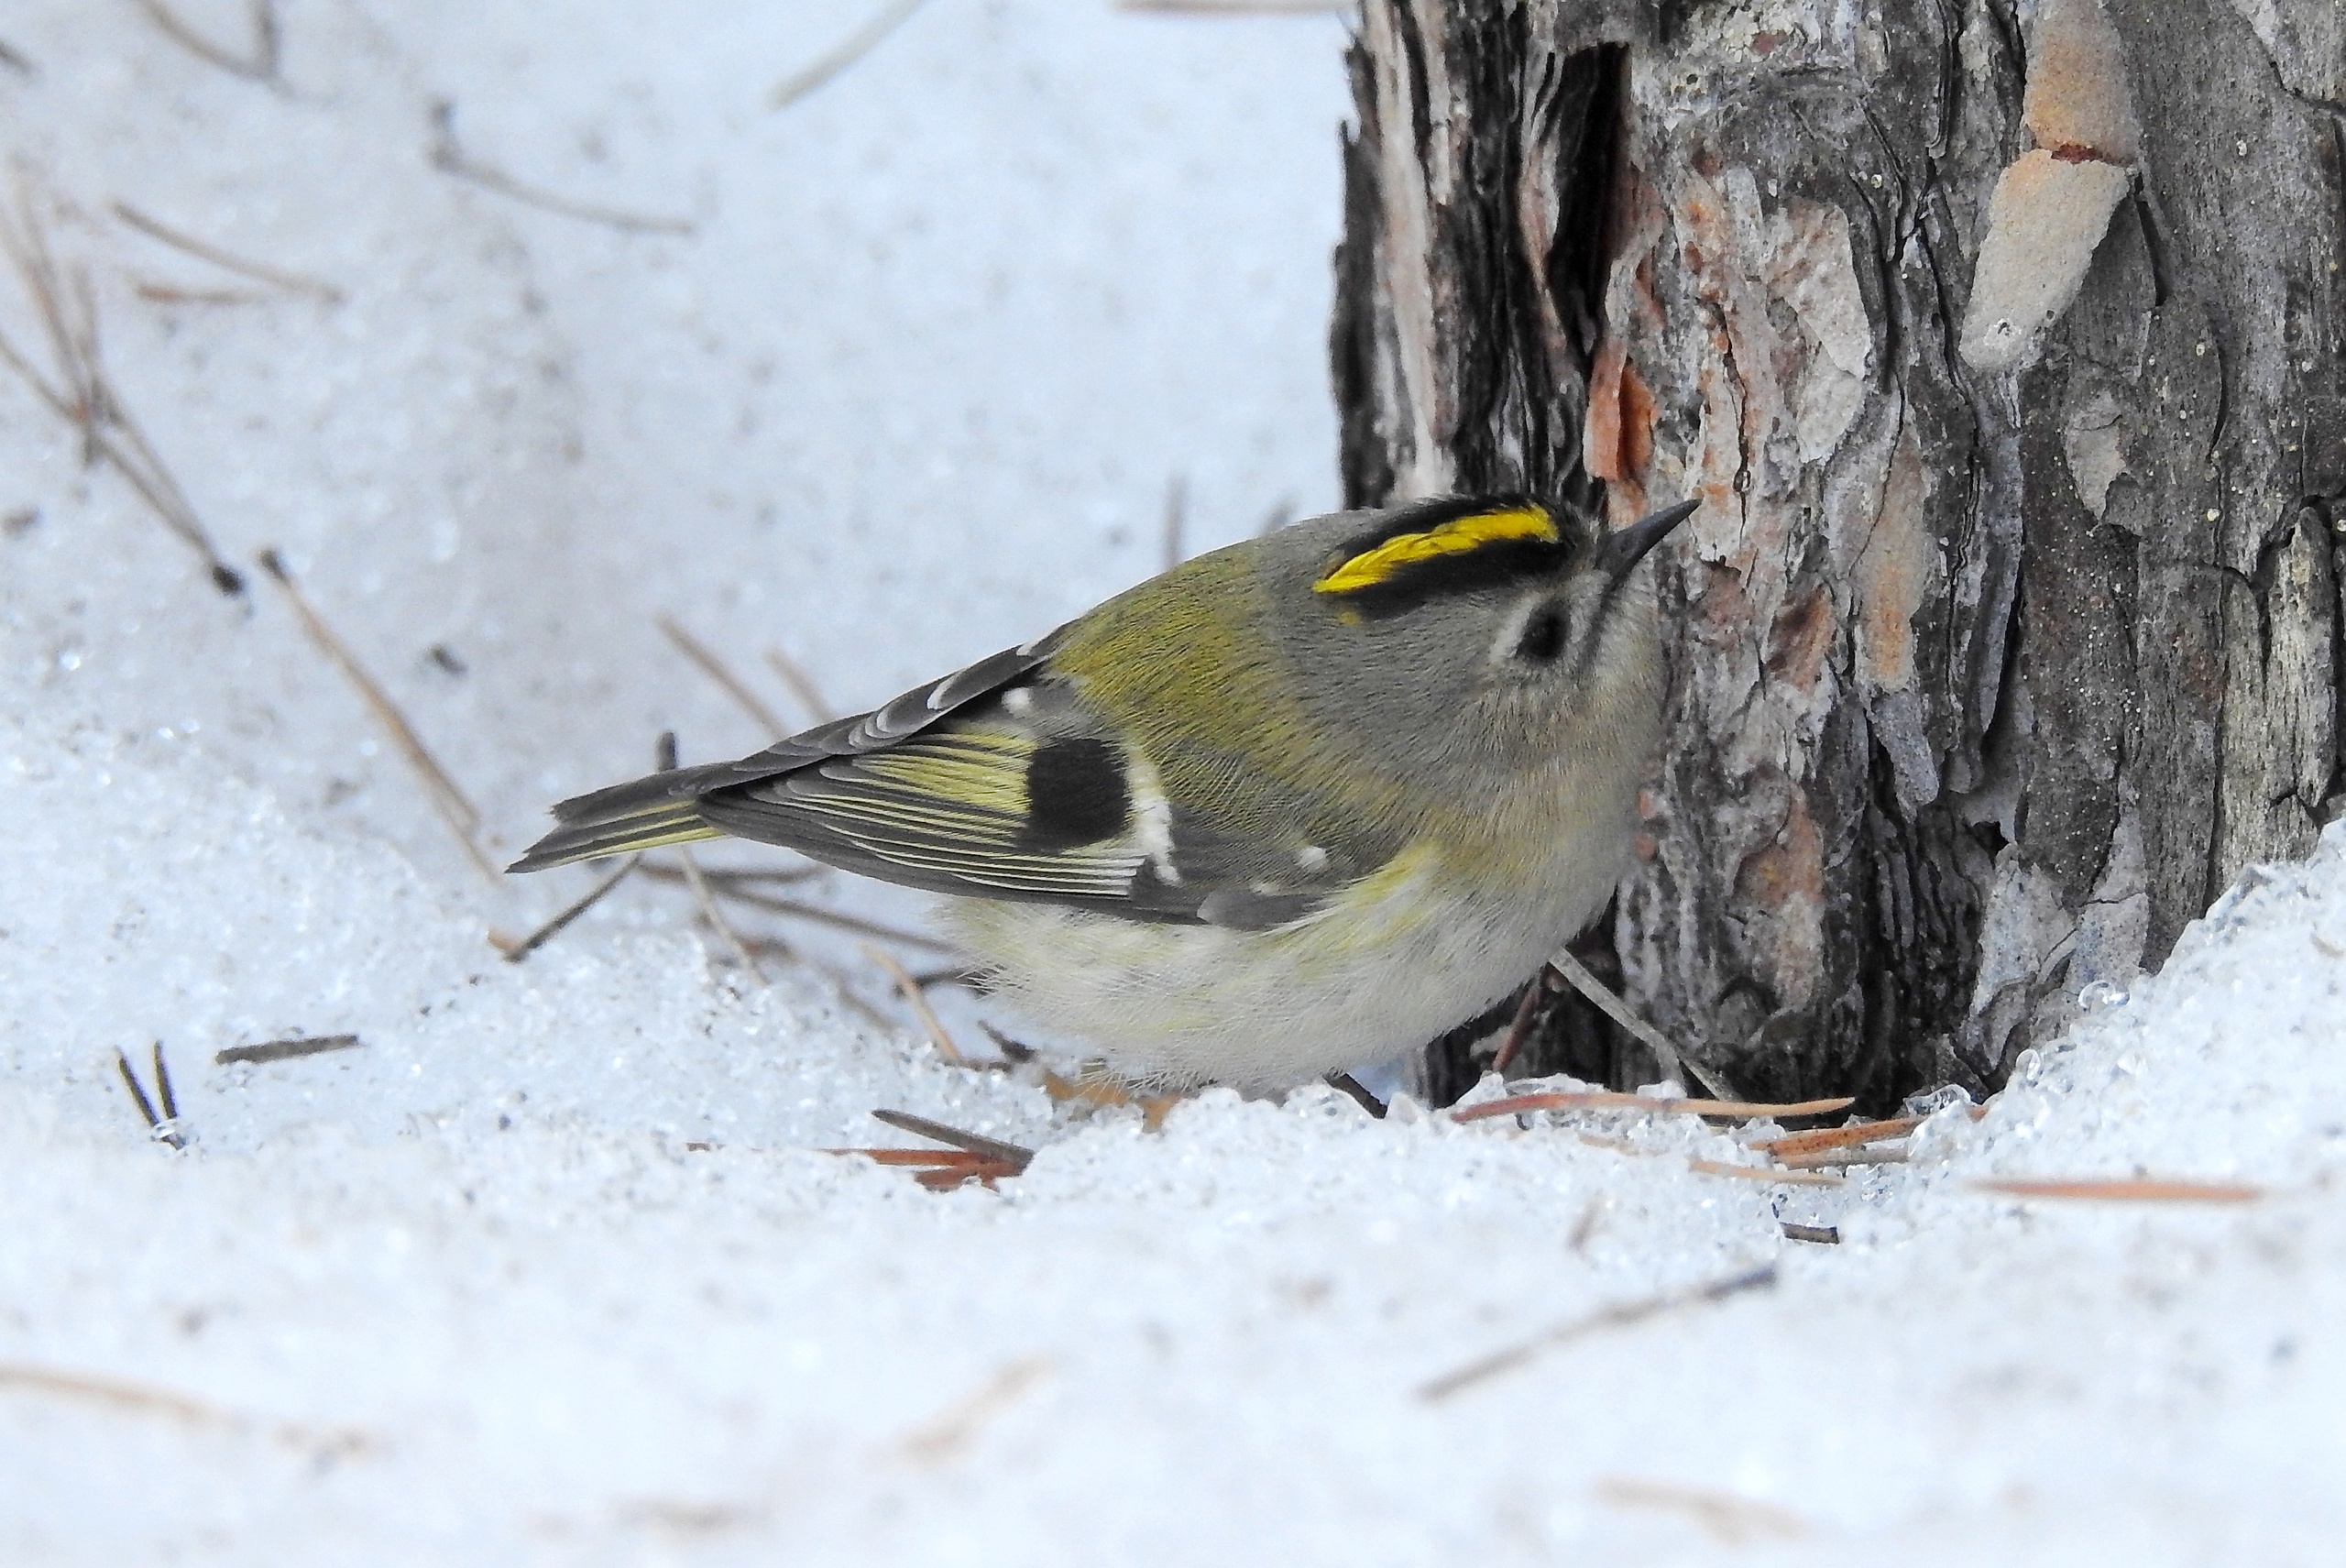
(998, 780)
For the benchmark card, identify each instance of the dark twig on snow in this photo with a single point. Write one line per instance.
(799, 910)
(701, 654)
(454, 809)
(801, 685)
(164, 1128)
(176, 294)
(1673, 1064)
(2124, 1190)
(1622, 1316)
(1607, 1100)
(266, 61)
(1834, 1160)
(260, 271)
(449, 157)
(286, 1050)
(82, 395)
(854, 47)
(974, 1156)
(1774, 1175)
(910, 990)
(1522, 1024)
(716, 916)
(664, 754)
(1357, 1093)
(516, 951)
(1792, 1145)
(975, 1143)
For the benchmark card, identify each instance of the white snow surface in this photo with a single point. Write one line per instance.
(550, 1267)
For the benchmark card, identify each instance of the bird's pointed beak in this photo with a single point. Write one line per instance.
(1618, 554)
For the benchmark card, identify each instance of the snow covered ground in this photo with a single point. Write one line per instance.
(549, 1267)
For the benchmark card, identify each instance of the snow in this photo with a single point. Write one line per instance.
(550, 1267)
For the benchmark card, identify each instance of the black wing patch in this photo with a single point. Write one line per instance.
(1075, 794)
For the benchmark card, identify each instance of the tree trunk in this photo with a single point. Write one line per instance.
(2006, 347)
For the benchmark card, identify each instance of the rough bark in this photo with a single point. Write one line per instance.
(2002, 643)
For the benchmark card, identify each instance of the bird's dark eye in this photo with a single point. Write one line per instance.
(1544, 635)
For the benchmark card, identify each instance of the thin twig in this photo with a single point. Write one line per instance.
(1793, 1144)
(841, 977)
(755, 876)
(974, 1143)
(1516, 1030)
(1012, 1051)
(1605, 1100)
(1176, 519)
(1730, 1519)
(699, 652)
(716, 916)
(1828, 1236)
(163, 1128)
(87, 399)
(173, 295)
(1622, 1316)
(163, 1085)
(2124, 1190)
(1352, 1089)
(801, 685)
(458, 812)
(1774, 1174)
(262, 271)
(1834, 1160)
(910, 990)
(854, 47)
(144, 1399)
(1673, 1065)
(286, 1050)
(137, 1089)
(516, 951)
(798, 910)
(448, 155)
(268, 46)
(844, 982)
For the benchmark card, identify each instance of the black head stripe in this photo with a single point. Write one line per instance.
(1495, 564)
(1499, 566)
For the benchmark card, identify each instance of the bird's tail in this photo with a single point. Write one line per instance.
(663, 809)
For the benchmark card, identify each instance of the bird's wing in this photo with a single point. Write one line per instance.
(998, 780)
(1028, 795)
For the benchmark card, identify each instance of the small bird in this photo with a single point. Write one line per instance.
(1292, 807)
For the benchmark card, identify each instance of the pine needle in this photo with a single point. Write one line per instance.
(2124, 1190)
(454, 809)
(700, 653)
(910, 990)
(1604, 1100)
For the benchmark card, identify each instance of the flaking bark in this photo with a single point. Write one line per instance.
(1986, 680)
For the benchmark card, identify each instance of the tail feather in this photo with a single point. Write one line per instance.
(647, 827)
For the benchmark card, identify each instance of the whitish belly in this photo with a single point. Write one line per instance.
(1186, 1005)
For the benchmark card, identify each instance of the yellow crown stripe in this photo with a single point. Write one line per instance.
(1455, 537)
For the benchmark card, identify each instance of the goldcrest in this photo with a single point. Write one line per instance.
(1292, 807)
